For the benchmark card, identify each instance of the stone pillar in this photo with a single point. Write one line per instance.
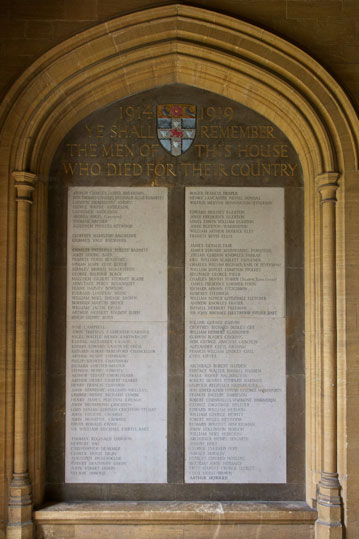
(329, 523)
(20, 505)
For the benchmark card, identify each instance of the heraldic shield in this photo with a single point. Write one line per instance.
(176, 127)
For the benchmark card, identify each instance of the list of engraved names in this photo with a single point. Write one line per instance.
(116, 367)
(235, 403)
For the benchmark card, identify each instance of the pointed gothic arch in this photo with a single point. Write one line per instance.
(125, 56)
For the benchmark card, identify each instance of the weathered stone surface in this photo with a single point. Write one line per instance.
(234, 149)
(64, 87)
(177, 520)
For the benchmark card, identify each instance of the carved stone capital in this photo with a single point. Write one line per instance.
(327, 186)
(24, 185)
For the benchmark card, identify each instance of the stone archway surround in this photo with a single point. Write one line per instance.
(211, 51)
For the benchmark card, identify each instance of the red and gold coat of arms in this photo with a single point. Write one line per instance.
(176, 127)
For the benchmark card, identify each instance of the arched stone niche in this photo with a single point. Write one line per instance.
(240, 152)
(150, 49)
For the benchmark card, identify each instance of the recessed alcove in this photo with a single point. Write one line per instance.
(235, 60)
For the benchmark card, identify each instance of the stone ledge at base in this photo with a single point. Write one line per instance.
(176, 520)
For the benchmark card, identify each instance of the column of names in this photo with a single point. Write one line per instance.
(235, 336)
(116, 374)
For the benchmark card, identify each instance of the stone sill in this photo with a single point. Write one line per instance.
(176, 512)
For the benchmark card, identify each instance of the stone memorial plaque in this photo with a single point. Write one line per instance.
(116, 374)
(235, 375)
(227, 382)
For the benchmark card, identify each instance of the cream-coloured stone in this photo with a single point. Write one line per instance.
(20, 509)
(173, 519)
(117, 316)
(235, 295)
(271, 76)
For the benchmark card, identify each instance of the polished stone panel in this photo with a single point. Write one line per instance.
(116, 378)
(235, 336)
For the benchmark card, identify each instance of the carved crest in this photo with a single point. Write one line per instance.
(176, 127)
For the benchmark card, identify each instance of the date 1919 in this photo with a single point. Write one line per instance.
(216, 113)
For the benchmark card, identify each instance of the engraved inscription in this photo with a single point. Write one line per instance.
(235, 336)
(224, 421)
(116, 380)
(133, 145)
